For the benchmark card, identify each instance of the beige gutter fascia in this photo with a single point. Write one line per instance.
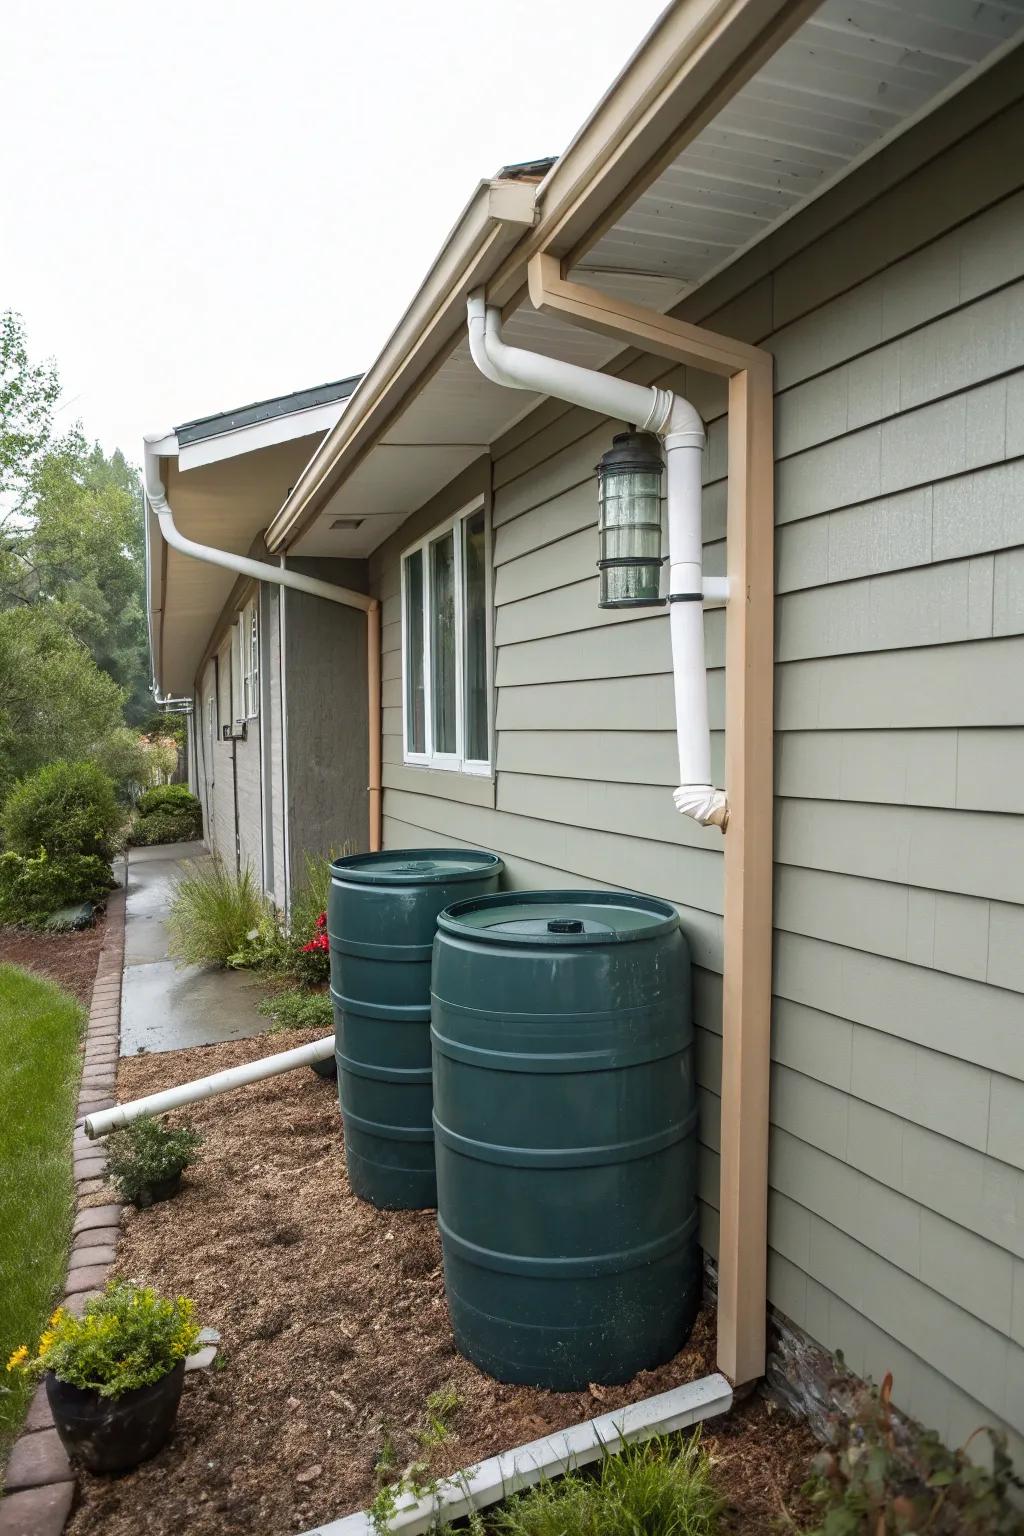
(491, 225)
(748, 848)
(690, 65)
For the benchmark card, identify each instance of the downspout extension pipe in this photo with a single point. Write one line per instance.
(259, 570)
(681, 426)
(106, 1120)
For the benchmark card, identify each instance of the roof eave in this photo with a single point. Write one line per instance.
(492, 223)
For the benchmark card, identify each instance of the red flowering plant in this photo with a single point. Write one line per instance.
(312, 963)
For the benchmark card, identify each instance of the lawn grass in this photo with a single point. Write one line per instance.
(40, 1028)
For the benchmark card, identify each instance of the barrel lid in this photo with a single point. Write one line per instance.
(417, 866)
(560, 917)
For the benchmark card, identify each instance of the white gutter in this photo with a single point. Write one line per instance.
(652, 410)
(279, 575)
(242, 565)
(501, 1476)
(106, 1120)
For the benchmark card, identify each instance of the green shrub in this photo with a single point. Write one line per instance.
(886, 1476)
(167, 797)
(167, 826)
(65, 809)
(127, 1338)
(298, 1009)
(145, 1153)
(215, 914)
(659, 1489)
(32, 888)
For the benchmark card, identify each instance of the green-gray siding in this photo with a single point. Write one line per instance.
(895, 310)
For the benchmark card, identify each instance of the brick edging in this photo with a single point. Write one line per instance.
(39, 1483)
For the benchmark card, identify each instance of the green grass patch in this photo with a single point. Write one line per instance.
(40, 1028)
(297, 1008)
(663, 1487)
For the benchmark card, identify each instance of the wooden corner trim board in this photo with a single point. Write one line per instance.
(749, 652)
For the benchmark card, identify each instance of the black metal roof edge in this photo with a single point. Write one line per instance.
(527, 170)
(265, 410)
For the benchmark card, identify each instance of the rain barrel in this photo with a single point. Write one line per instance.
(565, 1125)
(381, 916)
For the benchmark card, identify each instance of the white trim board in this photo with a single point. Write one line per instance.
(495, 1479)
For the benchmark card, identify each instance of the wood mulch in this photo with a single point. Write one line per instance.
(69, 959)
(334, 1331)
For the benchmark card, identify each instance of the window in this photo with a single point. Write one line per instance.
(249, 662)
(445, 670)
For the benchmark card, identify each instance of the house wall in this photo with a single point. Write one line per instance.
(325, 684)
(894, 309)
(273, 741)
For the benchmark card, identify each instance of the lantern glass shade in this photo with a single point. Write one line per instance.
(629, 527)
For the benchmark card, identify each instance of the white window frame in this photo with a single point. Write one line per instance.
(248, 663)
(451, 762)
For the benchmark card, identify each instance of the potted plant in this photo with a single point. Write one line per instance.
(114, 1375)
(145, 1159)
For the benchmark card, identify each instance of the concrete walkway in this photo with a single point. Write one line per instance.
(164, 1007)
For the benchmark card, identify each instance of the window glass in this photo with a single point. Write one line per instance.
(475, 635)
(415, 717)
(442, 643)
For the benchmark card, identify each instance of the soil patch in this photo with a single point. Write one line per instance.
(334, 1330)
(69, 959)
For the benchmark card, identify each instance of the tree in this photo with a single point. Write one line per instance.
(28, 393)
(54, 700)
(78, 551)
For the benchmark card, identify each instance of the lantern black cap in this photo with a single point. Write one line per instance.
(632, 450)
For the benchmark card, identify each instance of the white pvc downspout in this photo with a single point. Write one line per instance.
(242, 565)
(260, 570)
(679, 423)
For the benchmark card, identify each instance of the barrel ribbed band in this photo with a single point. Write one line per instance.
(412, 1076)
(581, 1268)
(568, 1157)
(386, 1132)
(610, 1058)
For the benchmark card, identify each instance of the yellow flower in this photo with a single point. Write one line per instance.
(18, 1358)
(57, 1317)
(46, 1340)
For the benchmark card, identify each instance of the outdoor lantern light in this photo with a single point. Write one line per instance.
(629, 490)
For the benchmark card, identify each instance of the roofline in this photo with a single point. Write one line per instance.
(488, 228)
(265, 410)
(696, 56)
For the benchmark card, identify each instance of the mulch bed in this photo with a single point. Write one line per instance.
(334, 1330)
(69, 959)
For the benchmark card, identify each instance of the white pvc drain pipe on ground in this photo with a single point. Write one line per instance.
(499, 1476)
(105, 1120)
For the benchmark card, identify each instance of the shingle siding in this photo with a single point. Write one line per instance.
(897, 1161)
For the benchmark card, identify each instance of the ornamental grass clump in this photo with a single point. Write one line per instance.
(660, 1489)
(129, 1337)
(215, 914)
(145, 1159)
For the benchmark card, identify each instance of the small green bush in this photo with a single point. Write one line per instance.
(167, 797)
(127, 1338)
(167, 826)
(32, 888)
(659, 1489)
(66, 809)
(145, 1153)
(215, 914)
(297, 1009)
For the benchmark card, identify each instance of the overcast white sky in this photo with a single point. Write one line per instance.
(206, 202)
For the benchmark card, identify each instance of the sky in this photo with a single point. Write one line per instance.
(206, 203)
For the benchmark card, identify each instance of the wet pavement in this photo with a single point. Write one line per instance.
(165, 1007)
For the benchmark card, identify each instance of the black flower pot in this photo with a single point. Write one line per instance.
(326, 1068)
(113, 1434)
(160, 1189)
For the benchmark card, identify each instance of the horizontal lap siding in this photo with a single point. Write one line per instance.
(897, 1163)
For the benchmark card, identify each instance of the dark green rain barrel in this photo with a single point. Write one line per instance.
(565, 1118)
(381, 917)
